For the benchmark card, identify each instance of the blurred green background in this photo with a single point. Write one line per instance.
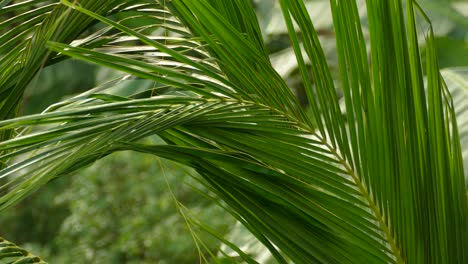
(126, 208)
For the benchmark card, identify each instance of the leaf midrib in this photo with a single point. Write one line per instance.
(365, 193)
(357, 181)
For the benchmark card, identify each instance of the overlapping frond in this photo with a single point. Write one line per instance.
(398, 141)
(24, 31)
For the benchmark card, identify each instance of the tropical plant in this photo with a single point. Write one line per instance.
(374, 176)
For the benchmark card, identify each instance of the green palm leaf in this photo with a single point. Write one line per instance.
(14, 254)
(457, 81)
(382, 183)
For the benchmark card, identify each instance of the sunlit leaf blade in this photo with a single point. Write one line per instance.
(457, 83)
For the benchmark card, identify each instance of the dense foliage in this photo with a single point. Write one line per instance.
(366, 165)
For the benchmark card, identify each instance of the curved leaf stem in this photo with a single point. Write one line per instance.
(365, 193)
(362, 188)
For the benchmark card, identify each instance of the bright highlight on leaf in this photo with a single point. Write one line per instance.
(380, 182)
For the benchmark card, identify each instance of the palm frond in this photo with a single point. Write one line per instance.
(23, 39)
(14, 254)
(382, 182)
(457, 82)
